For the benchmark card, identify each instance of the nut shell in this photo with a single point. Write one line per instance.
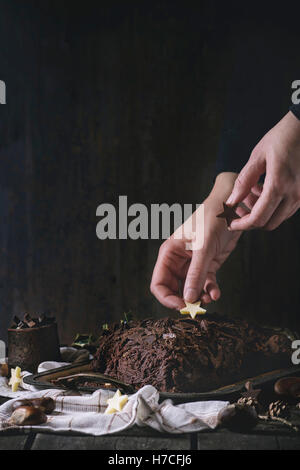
(288, 387)
(27, 416)
(46, 404)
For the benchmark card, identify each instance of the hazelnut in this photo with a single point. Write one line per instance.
(27, 416)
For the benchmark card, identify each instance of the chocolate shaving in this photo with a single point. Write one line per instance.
(16, 320)
(204, 325)
(29, 322)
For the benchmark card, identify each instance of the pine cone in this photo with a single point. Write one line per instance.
(278, 409)
(250, 402)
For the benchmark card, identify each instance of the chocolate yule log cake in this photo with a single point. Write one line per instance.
(186, 355)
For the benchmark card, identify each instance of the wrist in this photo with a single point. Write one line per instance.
(289, 127)
(222, 188)
(226, 178)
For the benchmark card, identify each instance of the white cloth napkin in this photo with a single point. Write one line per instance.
(84, 413)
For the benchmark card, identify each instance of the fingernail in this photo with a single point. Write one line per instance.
(179, 308)
(230, 199)
(190, 295)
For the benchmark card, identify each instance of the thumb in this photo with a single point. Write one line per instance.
(247, 178)
(196, 276)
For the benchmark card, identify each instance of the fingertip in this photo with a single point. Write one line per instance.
(190, 295)
(230, 200)
(178, 307)
(215, 294)
(234, 225)
(174, 303)
(206, 298)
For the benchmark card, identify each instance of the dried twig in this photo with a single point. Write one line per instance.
(280, 420)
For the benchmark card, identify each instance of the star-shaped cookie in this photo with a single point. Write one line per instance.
(116, 403)
(15, 379)
(192, 309)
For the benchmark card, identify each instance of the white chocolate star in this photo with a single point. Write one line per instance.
(116, 403)
(192, 309)
(15, 379)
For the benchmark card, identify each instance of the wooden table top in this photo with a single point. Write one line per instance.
(265, 436)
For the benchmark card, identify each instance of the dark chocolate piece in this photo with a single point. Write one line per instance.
(228, 213)
(16, 320)
(29, 322)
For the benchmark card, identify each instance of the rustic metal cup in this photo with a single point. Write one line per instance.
(28, 347)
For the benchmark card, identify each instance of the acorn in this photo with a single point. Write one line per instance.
(46, 404)
(288, 387)
(27, 416)
(238, 417)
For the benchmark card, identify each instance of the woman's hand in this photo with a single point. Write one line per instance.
(277, 155)
(196, 270)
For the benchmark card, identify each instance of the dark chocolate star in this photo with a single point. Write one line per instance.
(229, 213)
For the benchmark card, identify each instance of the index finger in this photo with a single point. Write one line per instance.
(165, 284)
(167, 297)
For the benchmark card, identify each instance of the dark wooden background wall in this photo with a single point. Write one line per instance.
(109, 99)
